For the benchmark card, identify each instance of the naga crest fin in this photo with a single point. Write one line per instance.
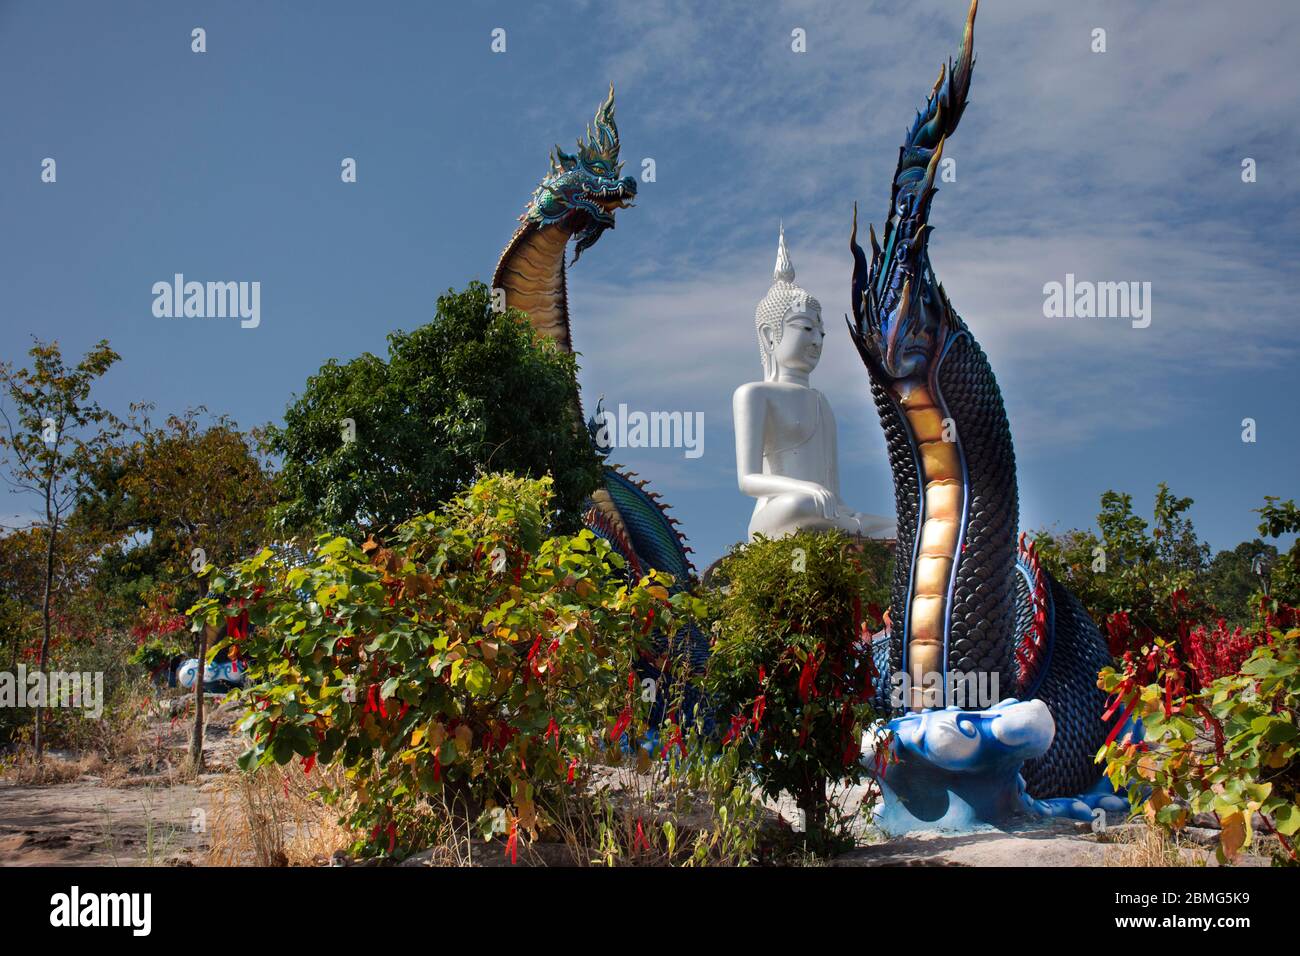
(899, 314)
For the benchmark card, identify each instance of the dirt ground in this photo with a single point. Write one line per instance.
(159, 819)
(146, 819)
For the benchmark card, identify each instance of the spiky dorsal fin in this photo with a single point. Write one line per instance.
(637, 523)
(876, 284)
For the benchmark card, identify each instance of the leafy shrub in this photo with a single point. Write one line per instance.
(1251, 762)
(790, 670)
(119, 729)
(1143, 581)
(468, 660)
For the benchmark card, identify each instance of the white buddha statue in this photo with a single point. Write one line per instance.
(786, 453)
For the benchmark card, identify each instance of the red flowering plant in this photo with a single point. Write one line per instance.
(1219, 651)
(790, 678)
(467, 662)
(161, 632)
(1221, 730)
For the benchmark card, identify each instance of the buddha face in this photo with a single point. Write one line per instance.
(800, 345)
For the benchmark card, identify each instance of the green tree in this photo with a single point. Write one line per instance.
(21, 561)
(191, 493)
(371, 443)
(1129, 565)
(50, 439)
(1232, 581)
(1279, 518)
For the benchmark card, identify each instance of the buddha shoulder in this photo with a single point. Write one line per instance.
(752, 394)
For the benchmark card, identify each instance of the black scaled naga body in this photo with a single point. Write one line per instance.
(968, 597)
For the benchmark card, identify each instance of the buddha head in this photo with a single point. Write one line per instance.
(789, 322)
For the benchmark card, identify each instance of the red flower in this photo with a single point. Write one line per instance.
(1119, 724)
(675, 740)
(371, 699)
(1220, 652)
(1119, 633)
(737, 725)
(641, 843)
(512, 842)
(621, 724)
(850, 753)
(237, 626)
(882, 756)
(807, 675)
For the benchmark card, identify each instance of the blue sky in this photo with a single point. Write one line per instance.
(1115, 166)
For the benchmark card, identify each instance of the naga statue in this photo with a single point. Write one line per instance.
(968, 597)
(577, 200)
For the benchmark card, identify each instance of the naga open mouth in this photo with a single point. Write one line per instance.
(618, 196)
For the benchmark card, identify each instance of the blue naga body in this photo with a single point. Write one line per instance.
(577, 200)
(994, 610)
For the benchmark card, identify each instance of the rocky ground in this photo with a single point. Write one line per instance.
(1049, 844)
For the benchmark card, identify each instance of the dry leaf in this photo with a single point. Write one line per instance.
(1155, 802)
(464, 739)
(1233, 833)
(437, 734)
(1146, 767)
(527, 814)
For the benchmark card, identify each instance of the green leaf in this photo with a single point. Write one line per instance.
(1287, 819)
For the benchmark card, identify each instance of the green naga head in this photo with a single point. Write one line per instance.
(583, 189)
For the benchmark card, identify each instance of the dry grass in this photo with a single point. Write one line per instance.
(273, 817)
(54, 769)
(104, 748)
(653, 814)
(1142, 845)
